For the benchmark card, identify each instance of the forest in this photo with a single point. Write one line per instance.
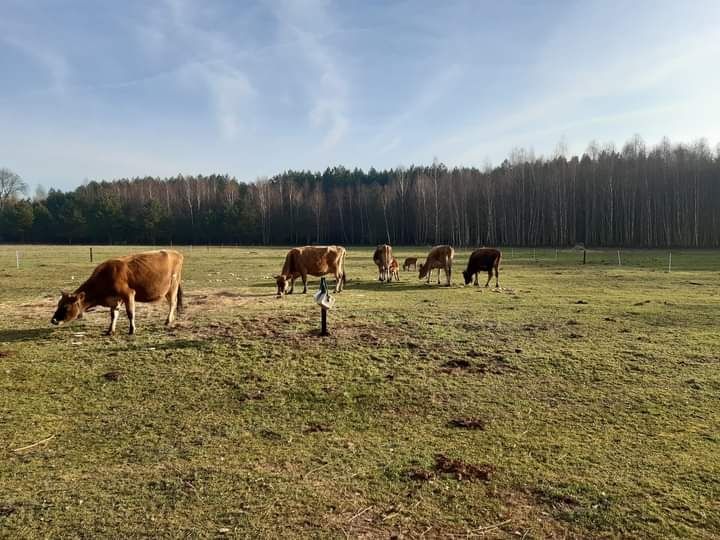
(667, 195)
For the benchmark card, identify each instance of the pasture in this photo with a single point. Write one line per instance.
(578, 401)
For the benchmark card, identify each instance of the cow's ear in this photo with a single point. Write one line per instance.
(80, 296)
(64, 294)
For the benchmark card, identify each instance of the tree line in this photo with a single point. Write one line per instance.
(667, 195)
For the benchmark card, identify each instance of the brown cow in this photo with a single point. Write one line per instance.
(410, 261)
(483, 260)
(143, 277)
(382, 258)
(314, 261)
(440, 257)
(394, 270)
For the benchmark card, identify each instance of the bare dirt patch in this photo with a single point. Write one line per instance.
(462, 470)
(113, 376)
(467, 423)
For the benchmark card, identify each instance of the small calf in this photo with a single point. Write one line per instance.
(410, 261)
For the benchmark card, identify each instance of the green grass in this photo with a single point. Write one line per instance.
(601, 417)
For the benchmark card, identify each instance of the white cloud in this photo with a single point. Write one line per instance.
(309, 23)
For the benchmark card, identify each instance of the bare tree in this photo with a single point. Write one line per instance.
(11, 185)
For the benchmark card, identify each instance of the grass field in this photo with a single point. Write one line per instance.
(577, 401)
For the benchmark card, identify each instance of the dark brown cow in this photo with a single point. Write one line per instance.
(483, 260)
(440, 257)
(394, 270)
(410, 261)
(143, 277)
(314, 261)
(382, 258)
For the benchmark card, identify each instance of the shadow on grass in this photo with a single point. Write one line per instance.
(397, 286)
(32, 334)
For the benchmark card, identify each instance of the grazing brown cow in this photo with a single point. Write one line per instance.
(410, 261)
(143, 277)
(440, 257)
(314, 261)
(382, 258)
(394, 270)
(483, 260)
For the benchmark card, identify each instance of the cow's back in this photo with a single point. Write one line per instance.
(441, 254)
(316, 260)
(150, 274)
(484, 259)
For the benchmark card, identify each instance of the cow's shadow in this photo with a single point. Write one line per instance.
(32, 334)
(397, 286)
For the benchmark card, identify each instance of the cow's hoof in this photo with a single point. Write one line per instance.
(109, 333)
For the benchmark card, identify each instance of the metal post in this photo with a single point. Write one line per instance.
(584, 255)
(91, 255)
(619, 261)
(323, 322)
(323, 311)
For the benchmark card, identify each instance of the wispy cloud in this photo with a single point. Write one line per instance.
(214, 62)
(55, 64)
(309, 23)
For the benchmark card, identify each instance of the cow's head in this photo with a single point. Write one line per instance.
(282, 285)
(468, 277)
(70, 307)
(423, 270)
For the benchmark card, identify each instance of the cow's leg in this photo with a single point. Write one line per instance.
(448, 274)
(292, 285)
(114, 314)
(338, 280)
(497, 277)
(438, 276)
(476, 280)
(489, 278)
(130, 310)
(304, 280)
(172, 299)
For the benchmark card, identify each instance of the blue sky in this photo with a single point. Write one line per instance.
(100, 89)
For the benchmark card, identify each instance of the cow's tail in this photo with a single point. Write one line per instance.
(180, 306)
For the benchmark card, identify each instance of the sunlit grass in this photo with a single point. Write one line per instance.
(597, 385)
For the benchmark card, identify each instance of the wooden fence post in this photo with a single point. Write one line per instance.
(584, 256)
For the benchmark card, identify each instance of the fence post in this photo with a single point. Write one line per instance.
(584, 255)
(17, 259)
(534, 257)
(669, 261)
(91, 255)
(619, 261)
(556, 254)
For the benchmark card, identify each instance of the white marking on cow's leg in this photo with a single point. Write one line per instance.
(130, 310)
(114, 314)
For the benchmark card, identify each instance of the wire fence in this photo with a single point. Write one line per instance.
(30, 256)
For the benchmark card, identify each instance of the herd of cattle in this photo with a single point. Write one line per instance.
(154, 275)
